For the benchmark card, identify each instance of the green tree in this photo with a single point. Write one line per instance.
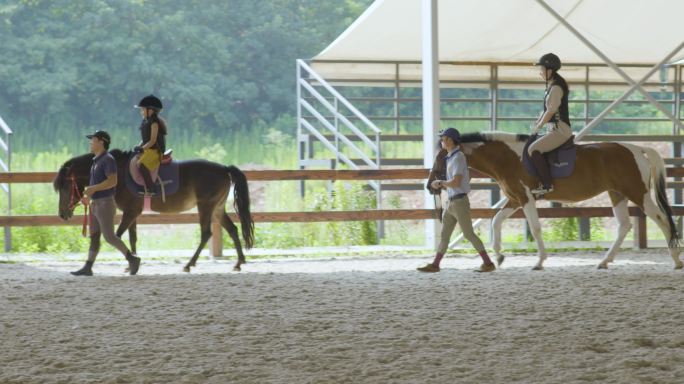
(220, 66)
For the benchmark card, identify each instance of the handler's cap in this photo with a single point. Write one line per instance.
(102, 135)
(452, 133)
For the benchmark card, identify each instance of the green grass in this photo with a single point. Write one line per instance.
(274, 150)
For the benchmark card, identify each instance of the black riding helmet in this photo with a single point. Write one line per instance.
(150, 101)
(549, 61)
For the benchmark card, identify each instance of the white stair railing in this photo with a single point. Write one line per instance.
(316, 124)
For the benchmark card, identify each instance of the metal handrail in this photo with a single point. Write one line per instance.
(328, 144)
(337, 134)
(5, 127)
(379, 100)
(509, 118)
(339, 115)
(330, 105)
(341, 98)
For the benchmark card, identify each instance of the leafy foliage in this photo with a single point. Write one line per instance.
(220, 66)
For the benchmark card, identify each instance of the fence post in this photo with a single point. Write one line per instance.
(677, 192)
(8, 230)
(584, 229)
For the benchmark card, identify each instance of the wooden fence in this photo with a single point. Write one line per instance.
(322, 216)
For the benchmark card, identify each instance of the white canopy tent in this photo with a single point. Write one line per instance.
(511, 31)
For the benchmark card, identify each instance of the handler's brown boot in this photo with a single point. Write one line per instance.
(87, 270)
(429, 268)
(486, 268)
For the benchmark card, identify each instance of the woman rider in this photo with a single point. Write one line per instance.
(153, 145)
(556, 115)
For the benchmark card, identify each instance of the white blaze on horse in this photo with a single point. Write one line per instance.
(627, 172)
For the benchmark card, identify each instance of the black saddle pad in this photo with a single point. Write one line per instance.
(561, 160)
(168, 174)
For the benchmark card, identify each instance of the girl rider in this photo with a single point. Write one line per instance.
(153, 131)
(556, 115)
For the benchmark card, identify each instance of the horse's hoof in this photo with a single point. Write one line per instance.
(237, 268)
(538, 268)
(500, 259)
(186, 269)
(679, 266)
(602, 266)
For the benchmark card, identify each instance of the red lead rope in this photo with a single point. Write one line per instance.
(86, 221)
(74, 199)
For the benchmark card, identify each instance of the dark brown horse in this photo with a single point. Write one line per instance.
(203, 184)
(627, 172)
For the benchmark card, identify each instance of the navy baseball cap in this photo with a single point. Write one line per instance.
(452, 133)
(102, 135)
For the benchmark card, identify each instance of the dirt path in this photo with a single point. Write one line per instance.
(346, 321)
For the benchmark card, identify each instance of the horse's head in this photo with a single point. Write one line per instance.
(438, 170)
(71, 180)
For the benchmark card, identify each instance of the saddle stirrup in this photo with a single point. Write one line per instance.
(163, 190)
(541, 190)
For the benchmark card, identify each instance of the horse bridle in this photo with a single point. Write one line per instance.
(76, 198)
(75, 195)
(437, 197)
(438, 203)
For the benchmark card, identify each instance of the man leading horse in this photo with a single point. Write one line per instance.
(99, 195)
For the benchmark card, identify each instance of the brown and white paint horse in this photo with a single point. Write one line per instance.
(627, 172)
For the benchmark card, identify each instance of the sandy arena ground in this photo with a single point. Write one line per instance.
(346, 321)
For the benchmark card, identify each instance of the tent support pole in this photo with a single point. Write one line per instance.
(431, 103)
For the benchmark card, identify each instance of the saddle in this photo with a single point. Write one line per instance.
(561, 160)
(165, 178)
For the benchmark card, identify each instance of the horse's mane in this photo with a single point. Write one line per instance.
(119, 154)
(485, 137)
(59, 180)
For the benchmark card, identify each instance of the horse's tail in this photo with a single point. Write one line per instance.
(241, 204)
(658, 173)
